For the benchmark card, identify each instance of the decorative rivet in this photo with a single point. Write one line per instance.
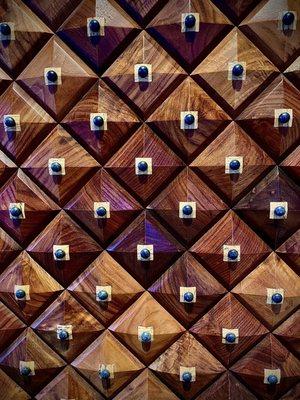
(60, 254)
(189, 119)
(20, 294)
(288, 18)
(187, 377)
(284, 118)
(188, 297)
(277, 298)
(143, 71)
(63, 335)
(94, 25)
(104, 374)
(98, 121)
(279, 211)
(187, 209)
(233, 254)
(237, 70)
(101, 211)
(15, 211)
(272, 379)
(25, 371)
(190, 21)
(5, 29)
(10, 122)
(146, 337)
(52, 76)
(102, 295)
(230, 337)
(145, 254)
(234, 165)
(142, 166)
(55, 166)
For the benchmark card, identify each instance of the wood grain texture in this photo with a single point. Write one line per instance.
(10, 390)
(235, 48)
(30, 35)
(233, 141)
(105, 271)
(79, 165)
(76, 78)
(123, 208)
(10, 328)
(291, 165)
(189, 47)
(142, 11)
(35, 123)
(293, 72)
(67, 385)
(272, 273)
(144, 97)
(43, 289)
(99, 51)
(145, 230)
(289, 251)
(255, 207)
(258, 118)
(268, 354)
(146, 386)
(261, 25)
(9, 249)
(187, 272)
(65, 310)
(230, 230)
(107, 350)
(5, 80)
(186, 187)
(7, 167)
(28, 347)
(187, 352)
(121, 122)
(236, 10)
(39, 208)
(188, 96)
(226, 387)
(147, 312)
(288, 333)
(62, 230)
(228, 313)
(165, 164)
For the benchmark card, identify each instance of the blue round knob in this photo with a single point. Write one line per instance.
(52, 76)
(232, 254)
(63, 335)
(98, 121)
(20, 294)
(146, 337)
(272, 379)
(15, 211)
(190, 21)
(10, 122)
(142, 166)
(25, 371)
(143, 71)
(187, 377)
(94, 25)
(230, 337)
(284, 118)
(288, 18)
(277, 298)
(187, 209)
(145, 254)
(55, 167)
(234, 165)
(237, 70)
(101, 211)
(5, 29)
(279, 211)
(60, 254)
(104, 374)
(188, 297)
(102, 295)
(189, 119)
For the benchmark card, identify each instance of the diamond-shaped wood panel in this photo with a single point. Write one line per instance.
(9, 249)
(293, 72)
(10, 390)
(10, 327)
(288, 333)
(291, 165)
(289, 251)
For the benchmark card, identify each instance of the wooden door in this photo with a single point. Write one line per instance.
(149, 199)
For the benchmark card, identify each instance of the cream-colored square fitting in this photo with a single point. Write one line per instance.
(138, 78)
(191, 370)
(270, 292)
(232, 77)
(225, 331)
(109, 367)
(58, 72)
(279, 111)
(107, 289)
(94, 127)
(141, 247)
(21, 206)
(67, 328)
(268, 372)
(185, 289)
(187, 203)
(17, 119)
(185, 126)
(65, 248)
(143, 329)
(274, 205)
(26, 289)
(147, 160)
(29, 364)
(228, 169)
(104, 204)
(194, 28)
(11, 36)
(101, 31)
(227, 248)
(60, 161)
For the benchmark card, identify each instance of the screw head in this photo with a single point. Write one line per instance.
(284, 118)
(187, 377)
(230, 337)
(288, 18)
(143, 71)
(232, 254)
(190, 21)
(15, 211)
(94, 25)
(55, 166)
(102, 294)
(98, 121)
(5, 29)
(104, 374)
(63, 335)
(189, 119)
(188, 297)
(142, 166)
(234, 165)
(25, 371)
(279, 211)
(237, 70)
(60, 254)
(146, 337)
(272, 379)
(20, 294)
(101, 211)
(277, 298)
(10, 122)
(52, 76)
(187, 209)
(145, 254)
